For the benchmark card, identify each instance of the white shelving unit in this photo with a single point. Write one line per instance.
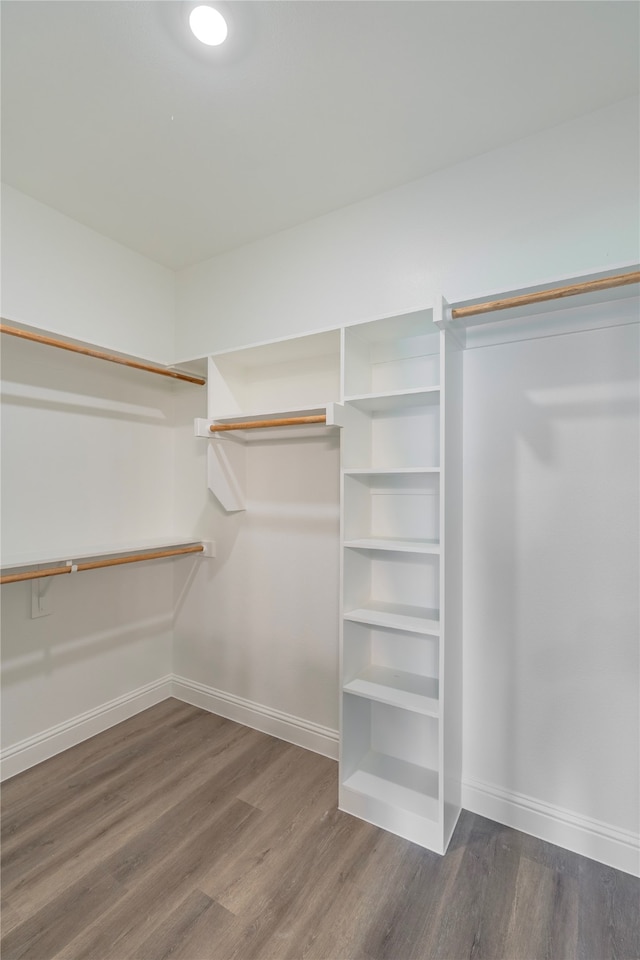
(398, 769)
(398, 383)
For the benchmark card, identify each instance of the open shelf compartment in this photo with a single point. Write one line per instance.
(400, 669)
(394, 353)
(293, 374)
(394, 590)
(395, 437)
(392, 512)
(390, 759)
(395, 400)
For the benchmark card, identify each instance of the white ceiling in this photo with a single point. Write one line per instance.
(115, 116)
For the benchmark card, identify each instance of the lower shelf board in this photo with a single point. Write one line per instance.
(397, 783)
(409, 691)
(394, 545)
(395, 616)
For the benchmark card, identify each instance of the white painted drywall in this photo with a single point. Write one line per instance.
(551, 550)
(87, 460)
(560, 203)
(260, 623)
(66, 278)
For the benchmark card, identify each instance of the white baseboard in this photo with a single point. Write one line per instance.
(590, 838)
(27, 753)
(285, 726)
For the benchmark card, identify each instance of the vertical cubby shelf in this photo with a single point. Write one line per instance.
(400, 723)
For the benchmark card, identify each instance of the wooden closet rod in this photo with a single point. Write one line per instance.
(589, 286)
(98, 354)
(256, 424)
(95, 564)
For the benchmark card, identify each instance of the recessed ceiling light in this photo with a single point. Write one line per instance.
(208, 25)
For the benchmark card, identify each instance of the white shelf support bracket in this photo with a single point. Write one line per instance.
(222, 479)
(40, 598)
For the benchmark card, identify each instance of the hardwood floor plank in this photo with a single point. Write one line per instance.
(42, 935)
(474, 912)
(403, 927)
(62, 868)
(82, 782)
(164, 877)
(368, 892)
(20, 789)
(287, 780)
(184, 928)
(609, 913)
(238, 878)
(529, 933)
(311, 873)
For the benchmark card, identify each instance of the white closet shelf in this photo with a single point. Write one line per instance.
(389, 472)
(398, 783)
(34, 558)
(394, 545)
(394, 400)
(279, 431)
(272, 414)
(397, 616)
(409, 691)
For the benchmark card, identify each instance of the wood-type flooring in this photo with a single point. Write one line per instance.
(178, 834)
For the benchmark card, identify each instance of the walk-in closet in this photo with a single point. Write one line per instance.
(320, 491)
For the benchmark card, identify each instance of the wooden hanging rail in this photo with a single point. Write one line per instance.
(95, 564)
(98, 354)
(540, 296)
(256, 424)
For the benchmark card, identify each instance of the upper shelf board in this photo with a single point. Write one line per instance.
(394, 400)
(193, 372)
(288, 350)
(34, 558)
(398, 327)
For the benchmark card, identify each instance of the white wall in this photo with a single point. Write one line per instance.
(551, 551)
(66, 278)
(560, 203)
(87, 460)
(260, 623)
